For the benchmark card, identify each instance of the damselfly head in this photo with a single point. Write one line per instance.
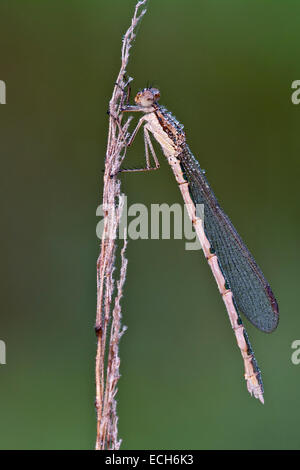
(147, 97)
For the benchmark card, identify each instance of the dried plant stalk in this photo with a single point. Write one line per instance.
(108, 317)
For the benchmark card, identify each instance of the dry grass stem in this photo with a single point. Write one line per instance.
(108, 318)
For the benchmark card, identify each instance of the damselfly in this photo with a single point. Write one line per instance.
(239, 279)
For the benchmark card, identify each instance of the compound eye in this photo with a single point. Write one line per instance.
(137, 97)
(155, 93)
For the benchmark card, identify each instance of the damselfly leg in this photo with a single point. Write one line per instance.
(147, 142)
(148, 146)
(126, 90)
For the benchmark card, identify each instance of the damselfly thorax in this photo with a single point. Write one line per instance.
(240, 281)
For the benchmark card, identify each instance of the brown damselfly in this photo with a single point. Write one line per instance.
(239, 279)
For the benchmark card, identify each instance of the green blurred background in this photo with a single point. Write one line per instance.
(225, 70)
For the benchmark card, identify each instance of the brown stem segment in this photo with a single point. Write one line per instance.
(108, 316)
